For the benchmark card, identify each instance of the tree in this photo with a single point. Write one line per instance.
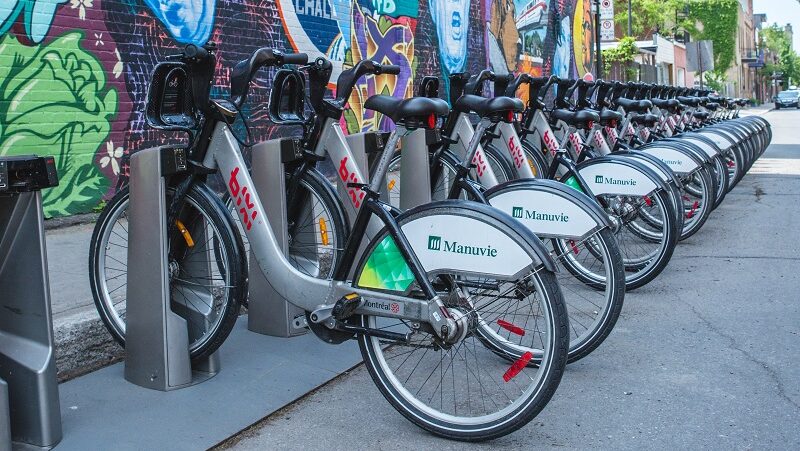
(648, 15)
(777, 40)
(623, 54)
(714, 20)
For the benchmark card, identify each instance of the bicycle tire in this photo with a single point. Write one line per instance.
(210, 207)
(518, 412)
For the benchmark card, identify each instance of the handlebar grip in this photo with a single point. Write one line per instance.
(295, 58)
(192, 51)
(390, 69)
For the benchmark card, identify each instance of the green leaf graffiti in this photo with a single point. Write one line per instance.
(54, 101)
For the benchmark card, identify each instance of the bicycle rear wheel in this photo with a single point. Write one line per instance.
(646, 249)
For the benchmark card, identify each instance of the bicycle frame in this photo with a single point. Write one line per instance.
(306, 292)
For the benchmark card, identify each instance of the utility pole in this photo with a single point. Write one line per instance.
(630, 19)
(598, 52)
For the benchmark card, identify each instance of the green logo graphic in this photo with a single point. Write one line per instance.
(434, 243)
(598, 179)
(516, 212)
(386, 269)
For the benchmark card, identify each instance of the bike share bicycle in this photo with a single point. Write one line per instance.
(625, 188)
(678, 115)
(686, 171)
(411, 299)
(578, 233)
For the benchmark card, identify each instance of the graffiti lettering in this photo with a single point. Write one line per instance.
(78, 71)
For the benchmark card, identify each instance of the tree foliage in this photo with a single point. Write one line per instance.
(624, 54)
(778, 41)
(714, 20)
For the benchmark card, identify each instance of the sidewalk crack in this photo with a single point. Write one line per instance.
(781, 389)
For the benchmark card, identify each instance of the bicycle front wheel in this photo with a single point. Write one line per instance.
(502, 368)
(207, 271)
(490, 383)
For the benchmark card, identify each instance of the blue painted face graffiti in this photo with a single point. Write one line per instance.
(37, 16)
(188, 21)
(452, 25)
(561, 57)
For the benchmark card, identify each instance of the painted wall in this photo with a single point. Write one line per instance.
(74, 73)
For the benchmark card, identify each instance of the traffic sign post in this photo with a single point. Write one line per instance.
(606, 8)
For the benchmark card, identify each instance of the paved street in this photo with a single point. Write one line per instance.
(704, 357)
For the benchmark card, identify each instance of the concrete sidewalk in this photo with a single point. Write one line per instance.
(758, 110)
(82, 342)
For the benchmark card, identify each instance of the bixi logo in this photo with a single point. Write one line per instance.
(435, 244)
(600, 180)
(520, 213)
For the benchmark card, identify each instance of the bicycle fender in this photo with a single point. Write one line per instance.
(704, 144)
(655, 164)
(619, 175)
(721, 139)
(679, 161)
(549, 208)
(687, 147)
(453, 236)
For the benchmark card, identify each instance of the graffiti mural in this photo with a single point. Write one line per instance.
(387, 41)
(188, 21)
(74, 74)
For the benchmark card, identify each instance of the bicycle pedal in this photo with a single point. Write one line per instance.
(345, 306)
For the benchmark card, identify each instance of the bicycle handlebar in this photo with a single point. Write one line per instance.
(245, 70)
(348, 78)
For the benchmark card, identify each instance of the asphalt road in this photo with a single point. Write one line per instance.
(705, 357)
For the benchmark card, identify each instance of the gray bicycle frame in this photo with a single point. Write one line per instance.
(301, 290)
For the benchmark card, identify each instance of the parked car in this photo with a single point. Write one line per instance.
(787, 99)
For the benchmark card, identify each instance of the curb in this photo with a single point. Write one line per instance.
(69, 221)
(83, 345)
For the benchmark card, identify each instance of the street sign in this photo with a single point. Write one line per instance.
(700, 56)
(607, 30)
(606, 8)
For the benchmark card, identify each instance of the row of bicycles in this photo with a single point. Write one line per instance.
(472, 276)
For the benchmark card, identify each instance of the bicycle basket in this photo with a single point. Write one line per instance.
(170, 103)
(287, 98)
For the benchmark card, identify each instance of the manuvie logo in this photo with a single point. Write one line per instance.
(521, 213)
(435, 244)
(599, 179)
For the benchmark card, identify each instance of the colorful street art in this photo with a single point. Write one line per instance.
(74, 74)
